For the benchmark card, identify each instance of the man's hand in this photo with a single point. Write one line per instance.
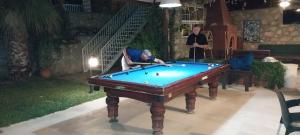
(201, 46)
(196, 45)
(168, 65)
(205, 46)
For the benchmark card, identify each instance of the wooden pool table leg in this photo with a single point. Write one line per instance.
(157, 110)
(112, 108)
(190, 99)
(213, 88)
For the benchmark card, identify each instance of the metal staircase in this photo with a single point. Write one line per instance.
(108, 43)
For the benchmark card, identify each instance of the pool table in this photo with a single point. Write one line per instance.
(158, 84)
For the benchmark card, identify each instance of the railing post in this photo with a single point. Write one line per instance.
(87, 6)
(102, 63)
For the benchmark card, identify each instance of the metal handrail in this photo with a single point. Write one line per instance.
(72, 8)
(113, 48)
(106, 32)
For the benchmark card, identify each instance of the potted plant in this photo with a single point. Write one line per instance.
(269, 74)
(47, 56)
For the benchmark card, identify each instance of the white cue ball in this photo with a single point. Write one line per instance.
(183, 65)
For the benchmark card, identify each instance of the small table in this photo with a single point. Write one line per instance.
(158, 84)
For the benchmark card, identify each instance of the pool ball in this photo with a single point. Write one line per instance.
(126, 73)
(157, 74)
(209, 67)
(146, 73)
(145, 82)
(183, 65)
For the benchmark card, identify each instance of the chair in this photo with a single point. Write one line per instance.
(245, 75)
(291, 121)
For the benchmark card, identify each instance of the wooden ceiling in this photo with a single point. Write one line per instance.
(244, 4)
(257, 4)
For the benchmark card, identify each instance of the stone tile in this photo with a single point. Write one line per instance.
(135, 118)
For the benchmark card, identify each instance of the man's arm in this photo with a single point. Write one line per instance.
(198, 45)
(127, 58)
(190, 43)
(205, 46)
(205, 43)
(191, 46)
(159, 61)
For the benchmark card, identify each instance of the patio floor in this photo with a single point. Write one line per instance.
(235, 112)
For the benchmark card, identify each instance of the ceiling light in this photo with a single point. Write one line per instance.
(298, 10)
(284, 3)
(169, 3)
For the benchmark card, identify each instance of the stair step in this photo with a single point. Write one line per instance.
(122, 35)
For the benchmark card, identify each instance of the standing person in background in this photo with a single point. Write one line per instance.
(197, 43)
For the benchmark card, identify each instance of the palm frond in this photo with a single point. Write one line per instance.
(40, 16)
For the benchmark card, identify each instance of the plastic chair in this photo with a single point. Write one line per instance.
(291, 121)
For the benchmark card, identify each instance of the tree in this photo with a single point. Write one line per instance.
(24, 19)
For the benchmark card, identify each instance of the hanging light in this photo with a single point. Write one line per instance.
(169, 3)
(284, 3)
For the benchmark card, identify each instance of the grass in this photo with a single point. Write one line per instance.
(36, 97)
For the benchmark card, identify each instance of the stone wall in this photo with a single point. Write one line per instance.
(86, 23)
(70, 60)
(181, 50)
(82, 26)
(272, 29)
(88, 20)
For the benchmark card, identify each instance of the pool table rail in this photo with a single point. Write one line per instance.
(203, 77)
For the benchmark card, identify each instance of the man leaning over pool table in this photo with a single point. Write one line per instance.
(131, 56)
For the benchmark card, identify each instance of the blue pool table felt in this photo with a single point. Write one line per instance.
(161, 75)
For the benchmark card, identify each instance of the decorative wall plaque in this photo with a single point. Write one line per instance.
(251, 30)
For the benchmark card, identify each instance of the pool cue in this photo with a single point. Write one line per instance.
(141, 63)
(147, 63)
(204, 54)
(195, 50)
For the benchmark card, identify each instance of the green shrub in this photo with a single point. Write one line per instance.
(272, 72)
(48, 52)
(151, 36)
